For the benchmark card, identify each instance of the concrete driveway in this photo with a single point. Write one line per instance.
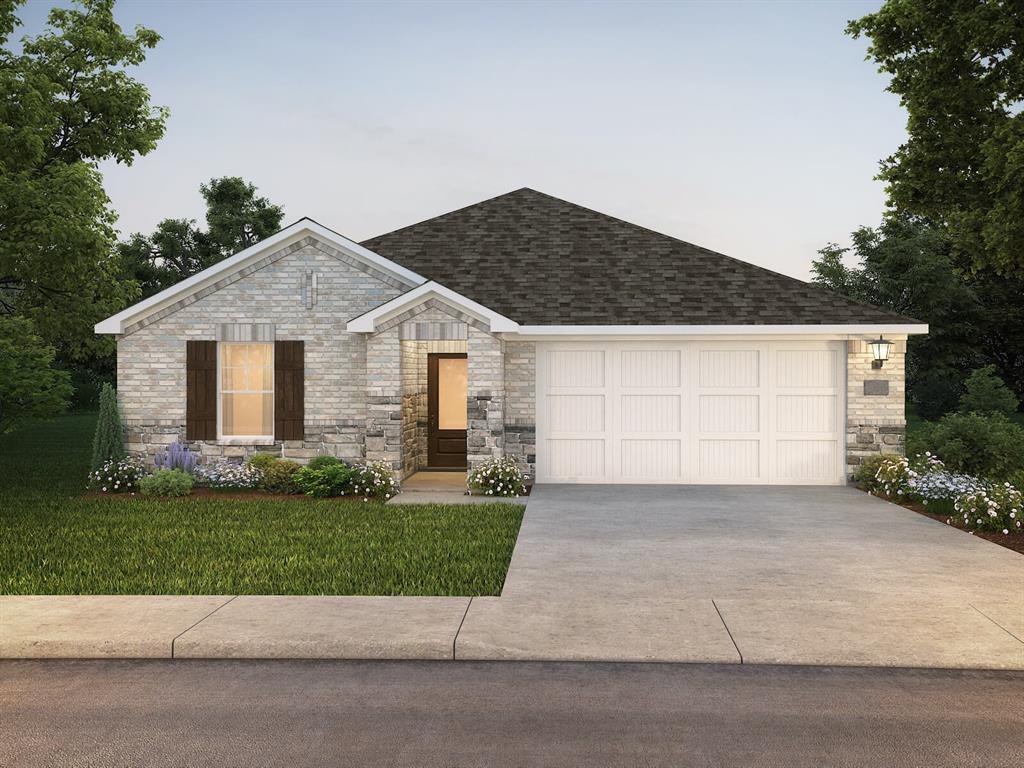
(802, 575)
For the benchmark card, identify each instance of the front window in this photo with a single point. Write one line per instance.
(246, 383)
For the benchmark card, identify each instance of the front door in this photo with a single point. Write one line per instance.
(446, 410)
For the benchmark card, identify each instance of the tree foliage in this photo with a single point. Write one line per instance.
(30, 387)
(67, 103)
(236, 217)
(987, 393)
(958, 68)
(108, 441)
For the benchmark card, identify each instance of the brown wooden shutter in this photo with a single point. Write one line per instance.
(289, 381)
(201, 390)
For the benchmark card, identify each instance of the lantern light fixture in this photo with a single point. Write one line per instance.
(880, 349)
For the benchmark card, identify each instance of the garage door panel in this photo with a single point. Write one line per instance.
(642, 368)
(577, 459)
(729, 460)
(805, 413)
(577, 413)
(655, 460)
(577, 368)
(651, 413)
(802, 461)
(729, 413)
(801, 368)
(729, 368)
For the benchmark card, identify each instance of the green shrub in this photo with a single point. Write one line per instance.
(108, 442)
(262, 460)
(166, 482)
(375, 480)
(866, 475)
(498, 477)
(278, 476)
(331, 480)
(998, 508)
(989, 446)
(986, 393)
(319, 462)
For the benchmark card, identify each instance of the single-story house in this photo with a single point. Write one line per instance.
(588, 348)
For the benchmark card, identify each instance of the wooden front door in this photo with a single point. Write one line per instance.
(447, 378)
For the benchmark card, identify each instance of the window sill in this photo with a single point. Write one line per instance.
(245, 441)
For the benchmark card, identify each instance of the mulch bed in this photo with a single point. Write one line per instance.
(1014, 541)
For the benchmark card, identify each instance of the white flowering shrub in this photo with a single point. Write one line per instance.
(999, 508)
(893, 476)
(227, 476)
(374, 480)
(498, 477)
(118, 476)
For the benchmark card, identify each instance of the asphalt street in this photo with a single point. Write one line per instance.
(322, 713)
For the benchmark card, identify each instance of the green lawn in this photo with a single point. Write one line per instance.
(57, 541)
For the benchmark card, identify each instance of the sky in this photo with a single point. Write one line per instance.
(751, 128)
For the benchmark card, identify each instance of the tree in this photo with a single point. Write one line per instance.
(30, 387)
(236, 217)
(986, 393)
(957, 67)
(108, 441)
(67, 103)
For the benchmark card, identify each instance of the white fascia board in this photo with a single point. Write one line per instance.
(368, 322)
(833, 331)
(116, 323)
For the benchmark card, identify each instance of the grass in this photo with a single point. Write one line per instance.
(58, 541)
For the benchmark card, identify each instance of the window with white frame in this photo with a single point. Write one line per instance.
(245, 397)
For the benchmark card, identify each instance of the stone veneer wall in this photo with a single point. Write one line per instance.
(485, 437)
(274, 290)
(520, 404)
(414, 397)
(875, 403)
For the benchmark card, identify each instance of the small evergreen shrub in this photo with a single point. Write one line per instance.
(262, 460)
(998, 508)
(176, 456)
(278, 476)
(988, 446)
(117, 476)
(331, 480)
(319, 462)
(987, 393)
(865, 474)
(108, 441)
(225, 475)
(167, 482)
(498, 477)
(375, 480)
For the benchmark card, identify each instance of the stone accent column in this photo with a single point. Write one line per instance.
(875, 403)
(521, 404)
(384, 398)
(485, 436)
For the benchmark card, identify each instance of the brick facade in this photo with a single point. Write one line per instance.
(875, 414)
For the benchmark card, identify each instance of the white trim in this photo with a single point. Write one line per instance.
(368, 322)
(824, 331)
(287, 236)
(223, 439)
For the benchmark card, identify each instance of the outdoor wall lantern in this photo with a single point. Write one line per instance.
(880, 350)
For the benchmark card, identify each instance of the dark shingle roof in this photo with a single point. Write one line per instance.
(543, 261)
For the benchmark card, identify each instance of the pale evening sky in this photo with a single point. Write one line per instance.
(753, 128)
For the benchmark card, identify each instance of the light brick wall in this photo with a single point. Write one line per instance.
(875, 423)
(151, 358)
(486, 398)
(521, 403)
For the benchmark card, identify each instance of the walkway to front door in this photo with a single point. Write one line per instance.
(446, 410)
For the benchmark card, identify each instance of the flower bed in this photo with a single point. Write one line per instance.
(992, 510)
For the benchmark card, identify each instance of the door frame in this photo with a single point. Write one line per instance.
(436, 460)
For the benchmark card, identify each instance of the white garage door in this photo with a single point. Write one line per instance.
(691, 412)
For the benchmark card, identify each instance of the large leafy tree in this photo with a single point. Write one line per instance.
(236, 217)
(30, 386)
(958, 68)
(67, 103)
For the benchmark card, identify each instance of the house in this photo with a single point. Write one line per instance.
(589, 348)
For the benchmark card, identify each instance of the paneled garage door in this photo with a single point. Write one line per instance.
(691, 412)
